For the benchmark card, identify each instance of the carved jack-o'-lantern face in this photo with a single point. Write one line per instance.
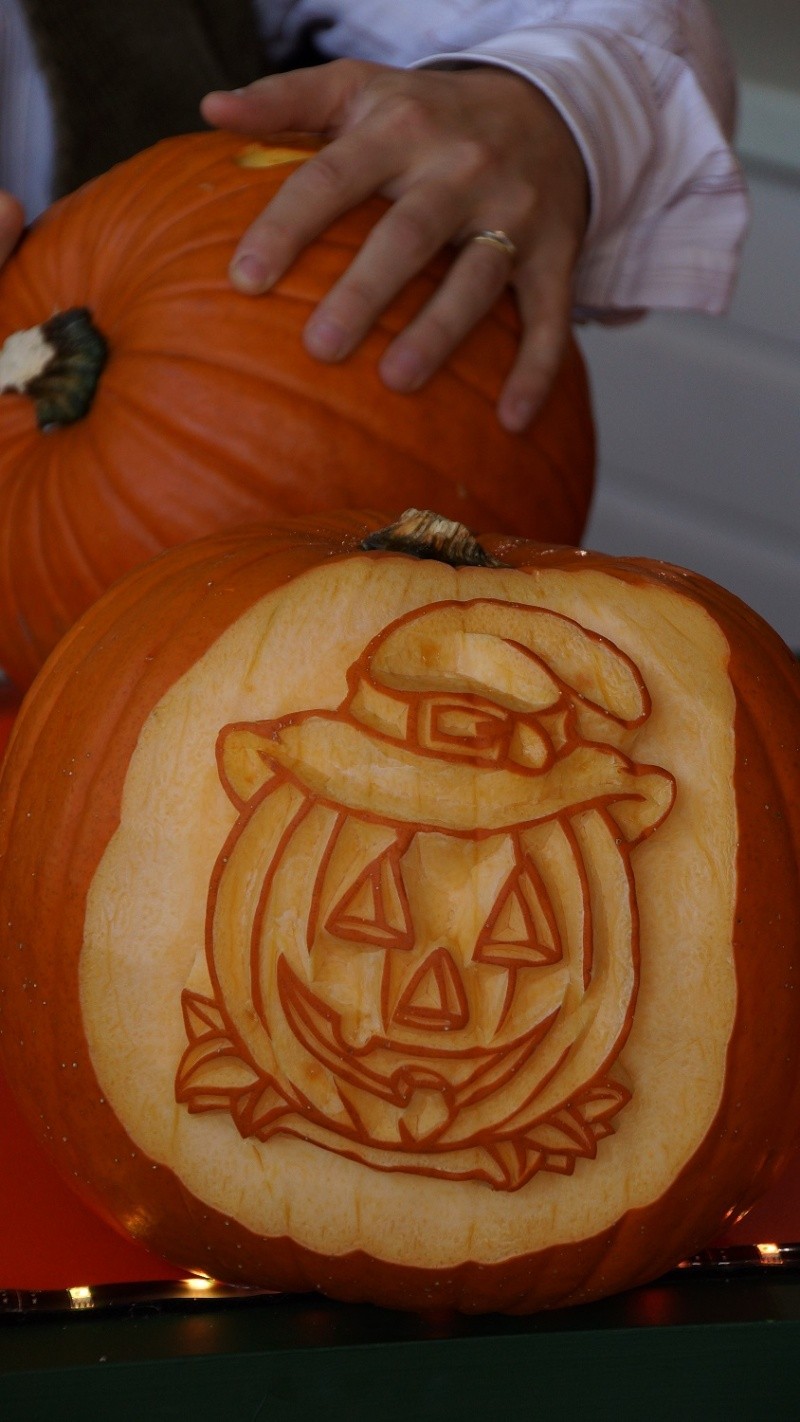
(472, 1033)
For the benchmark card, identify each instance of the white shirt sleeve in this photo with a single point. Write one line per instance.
(652, 113)
(647, 90)
(26, 123)
(645, 86)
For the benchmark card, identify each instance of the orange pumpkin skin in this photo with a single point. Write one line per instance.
(61, 804)
(209, 411)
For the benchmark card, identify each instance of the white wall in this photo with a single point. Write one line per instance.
(699, 427)
(699, 419)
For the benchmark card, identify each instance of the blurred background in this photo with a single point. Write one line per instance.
(699, 418)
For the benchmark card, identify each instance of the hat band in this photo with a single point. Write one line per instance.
(448, 723)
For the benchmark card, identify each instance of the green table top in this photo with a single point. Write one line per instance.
(691, 1345)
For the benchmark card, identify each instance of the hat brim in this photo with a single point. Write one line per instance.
(350, 765)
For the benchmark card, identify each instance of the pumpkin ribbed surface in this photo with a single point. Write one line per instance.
(208, 411)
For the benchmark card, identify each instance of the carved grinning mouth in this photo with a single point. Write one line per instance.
(393, 1070)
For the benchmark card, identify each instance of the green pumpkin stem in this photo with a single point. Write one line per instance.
(57, 364)
(423, 534)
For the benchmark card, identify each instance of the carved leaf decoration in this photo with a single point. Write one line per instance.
(255, 1112)
(556, 1143)
(575, 1130)
(212, 1066)
(213, 1077)
(517, 1164)
(201, 1016)
(599, 1104)
(211, 1072)
(562, 1134)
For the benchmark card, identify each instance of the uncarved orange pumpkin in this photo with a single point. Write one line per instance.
(419, 933)
(206, 409)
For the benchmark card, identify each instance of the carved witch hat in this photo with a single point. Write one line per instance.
(464, 717)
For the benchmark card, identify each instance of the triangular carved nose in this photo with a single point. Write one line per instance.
(434, 998)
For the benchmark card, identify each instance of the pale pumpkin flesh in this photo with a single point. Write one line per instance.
(438, 964)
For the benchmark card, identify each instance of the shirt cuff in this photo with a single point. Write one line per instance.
(668, 201)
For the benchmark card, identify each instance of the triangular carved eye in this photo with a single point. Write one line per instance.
(521, 930)
(375, 908)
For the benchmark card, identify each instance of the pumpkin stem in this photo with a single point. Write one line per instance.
(57, 364)
(429, 535)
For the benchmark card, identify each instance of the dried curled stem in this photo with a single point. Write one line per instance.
(423, 534)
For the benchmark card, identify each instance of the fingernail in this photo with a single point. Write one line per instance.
(250, 273)
(515, 415)
(402, 370)
(324, 338)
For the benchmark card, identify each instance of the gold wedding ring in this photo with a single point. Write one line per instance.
(495, 238)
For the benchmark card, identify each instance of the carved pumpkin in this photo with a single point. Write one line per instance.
(183, 406)
(405, 930)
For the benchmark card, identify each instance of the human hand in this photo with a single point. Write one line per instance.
(458, 152)
(12, 221)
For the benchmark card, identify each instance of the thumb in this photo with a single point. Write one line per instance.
(313, 100)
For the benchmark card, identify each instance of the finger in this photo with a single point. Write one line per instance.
(344, 173)
(413, 230)
(12, 221)
(332, 182)
(544, 295)
(470, 289)
(314, 100)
